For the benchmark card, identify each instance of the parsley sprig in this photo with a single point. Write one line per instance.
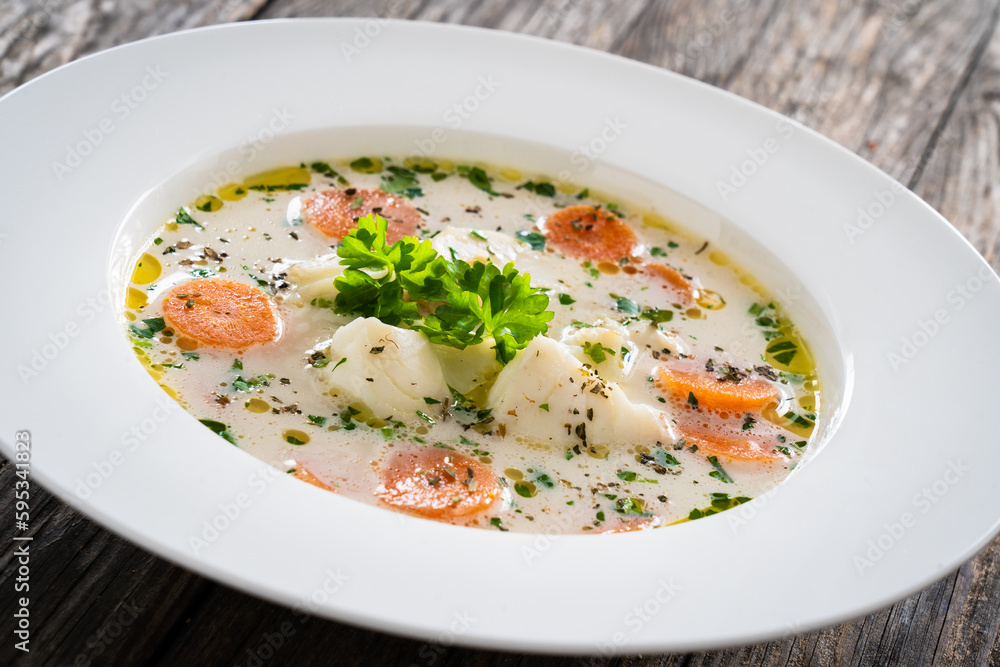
(473, 301)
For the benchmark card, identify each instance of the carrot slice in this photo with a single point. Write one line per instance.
(750, 394)
(673, 279)
(336, 212)
(221, 313)
(586, 232)
(303, 473)
(738, 448)
(437, 483)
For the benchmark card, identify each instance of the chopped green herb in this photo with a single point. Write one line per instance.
(479, 179)
(402, 181)
(533, 239)
(479, 300)
(184, 218)
(219, 429)
(542, 188)
(598, 353)
(366, 165)
(626, 305)
(719, 473)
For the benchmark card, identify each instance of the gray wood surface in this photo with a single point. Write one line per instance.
(911, 85)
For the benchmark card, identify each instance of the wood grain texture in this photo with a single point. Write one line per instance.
(911, 85)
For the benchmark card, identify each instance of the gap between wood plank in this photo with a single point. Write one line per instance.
(977, 55)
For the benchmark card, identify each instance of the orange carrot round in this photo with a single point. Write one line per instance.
(303, 473)
(586, 232)
(336, 212)
(220, 313)
(739, 448)
(749, 394)
(672, 279)
(437, 483)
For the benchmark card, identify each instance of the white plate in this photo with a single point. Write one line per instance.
(902, 492)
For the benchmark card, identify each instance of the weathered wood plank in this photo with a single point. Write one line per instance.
(39, 35)
(92, 594)
(912, 86)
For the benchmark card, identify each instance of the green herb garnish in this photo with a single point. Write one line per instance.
(480, 300)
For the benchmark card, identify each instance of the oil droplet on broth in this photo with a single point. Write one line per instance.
(278, 179)
(367, 165)
(257, 405)
(208, 203)
(187, 344)
(525, 489)
(420, 165)
(710, 300)
(232, 192)
(135, 299)
(295, 437)
(147, 269)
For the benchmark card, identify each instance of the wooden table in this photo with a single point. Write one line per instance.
(911, 85)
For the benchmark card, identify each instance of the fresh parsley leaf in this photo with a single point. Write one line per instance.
(480, 300)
